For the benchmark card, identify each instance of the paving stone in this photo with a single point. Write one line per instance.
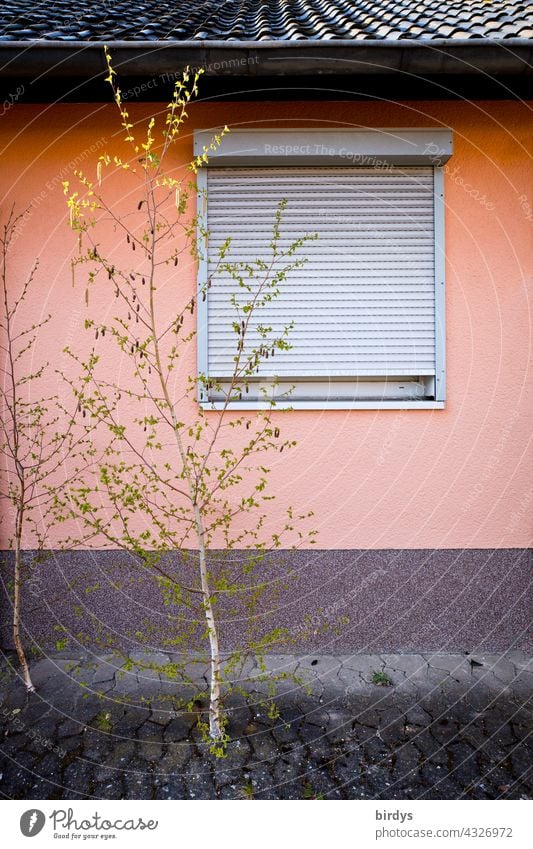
(148, 659)
(70, 727)
(149, 731)
(21, 762)
(448, 680)
(311, 711)
(377, 780)
(259, 783)
(109, 790)
(179, 728)
(49, 767)
(405, 763)
(520, 660)
(34, 710)
(78, 779)
(350, 683)
(451, 730)
(264, 748)
(348, 768)
(175, 759)
(492, 762)
(498, 731)
(161, 715)
(70, 747)
(43, 789)
(404, 688)
(116, 762)
(44, 670)
(489, 681)
(126, 683)
(361, 733)
(104, 672)
(375, 752)
(308, 732)
(284, 732)
(502, 667)
(229, 791)
(365, 664)
(416, 715)
(150, 752)
(523, 737)
(521, 763)
(16, 699)
(522, 687)
(437, 785)
(126, 721)
(498, 778)
(172, 788)
(239, 716)
(288, 770)
(323, 786)
(413, 665)
(445, 730)
(392, 725)
(368, 717)
(221, 776)
(103, 689)
(97, 743)
(85, 709)
(323, 667)
(14, 743)
(198, 781)
(138, 780)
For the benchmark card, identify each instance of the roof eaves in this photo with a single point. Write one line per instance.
(511, 56)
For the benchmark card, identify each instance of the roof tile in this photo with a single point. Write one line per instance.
(283, 20)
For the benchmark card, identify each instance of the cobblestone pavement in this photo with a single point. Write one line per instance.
(436, 726)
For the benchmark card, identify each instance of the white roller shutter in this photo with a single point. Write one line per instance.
(364, 303)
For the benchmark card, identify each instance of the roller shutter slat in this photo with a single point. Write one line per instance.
(364, 303)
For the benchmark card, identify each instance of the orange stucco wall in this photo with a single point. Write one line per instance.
(375, 479)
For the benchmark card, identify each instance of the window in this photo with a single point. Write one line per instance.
(368, 305)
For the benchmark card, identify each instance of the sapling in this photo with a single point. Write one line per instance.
(178, 479)
(37, 433)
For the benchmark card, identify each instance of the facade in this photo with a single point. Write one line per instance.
(411, 403)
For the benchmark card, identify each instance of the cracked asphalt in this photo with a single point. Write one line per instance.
(436, 726)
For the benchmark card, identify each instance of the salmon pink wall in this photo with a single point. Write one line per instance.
(453, 478)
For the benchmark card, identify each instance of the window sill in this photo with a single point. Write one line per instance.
(325, 405)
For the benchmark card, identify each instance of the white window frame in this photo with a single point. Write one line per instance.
(357, 147)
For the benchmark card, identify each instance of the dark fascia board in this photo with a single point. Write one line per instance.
(58, 71)
(85, 60)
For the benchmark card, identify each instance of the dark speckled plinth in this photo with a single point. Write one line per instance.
(330, 601)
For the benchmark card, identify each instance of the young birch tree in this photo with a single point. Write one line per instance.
(178, 479)
(37, 434)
